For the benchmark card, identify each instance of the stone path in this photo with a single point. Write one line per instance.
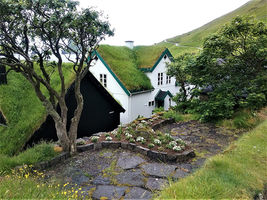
(119, 173)
(115, 173)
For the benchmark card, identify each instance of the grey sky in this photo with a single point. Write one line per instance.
(151, 21)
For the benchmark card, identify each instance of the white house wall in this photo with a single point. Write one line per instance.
(153, 76)
(113, 88)
(139, 105)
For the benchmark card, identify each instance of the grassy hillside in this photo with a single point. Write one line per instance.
(257, 8)
(23, 110)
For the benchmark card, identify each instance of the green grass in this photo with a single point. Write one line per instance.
(173, 114)
(40, 152)
(22, 188)
(148, 55)
(23, 110)
(238, 173)
(244, 119)
(26, 183)
(123, 63)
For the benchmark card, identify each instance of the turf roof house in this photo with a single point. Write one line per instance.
(136, 77)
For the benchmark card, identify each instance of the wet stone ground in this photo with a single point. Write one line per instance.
(118, 173)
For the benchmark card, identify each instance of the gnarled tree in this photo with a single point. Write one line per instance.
(34, 31)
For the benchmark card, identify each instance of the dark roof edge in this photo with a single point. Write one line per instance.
(142, 91)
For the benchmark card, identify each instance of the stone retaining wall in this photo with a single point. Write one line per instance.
(155, 155)
(161, 156)
(162, 123)
(46, 164)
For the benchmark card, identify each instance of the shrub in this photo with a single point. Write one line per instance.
(158, 110)
(94, 139)
(150, 145)
(173, 114)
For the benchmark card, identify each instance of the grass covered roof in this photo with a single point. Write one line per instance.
(126, 64)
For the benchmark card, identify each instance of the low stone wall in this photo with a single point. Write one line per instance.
(160, 156)
(163, 122)
(46, 164)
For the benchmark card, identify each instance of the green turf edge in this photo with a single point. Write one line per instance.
(238, 173)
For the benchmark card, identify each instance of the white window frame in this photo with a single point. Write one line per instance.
(168, 79)
(160, 78)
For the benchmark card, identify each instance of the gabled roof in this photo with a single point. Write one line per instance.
(161, 95)
(149, 67)
(127, 65)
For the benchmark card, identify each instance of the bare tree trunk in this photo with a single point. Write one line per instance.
(62, 135)
(76, 117)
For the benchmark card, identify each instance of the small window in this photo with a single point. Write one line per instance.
(168, 79)
(151, 103)
(160, 78)
(103, 79)
(165, 57)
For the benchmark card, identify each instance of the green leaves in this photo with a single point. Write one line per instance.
(232, 63)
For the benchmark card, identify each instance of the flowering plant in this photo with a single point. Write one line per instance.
(109, 138)
(114, 132)
(180, 141)
(140, 139)
(177, 148)
(173, 143)
(94, 138)
(128, 135)
(157, 142)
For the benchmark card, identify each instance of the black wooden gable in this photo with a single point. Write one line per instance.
(101, 112)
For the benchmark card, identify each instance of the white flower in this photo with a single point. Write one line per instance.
(173, 143)
(128, 135)
(140, 139)
(109, 138)
(114, 132)
(94, 138)
(177, 148)
(167, 135)
(180, 141)
(157, 141)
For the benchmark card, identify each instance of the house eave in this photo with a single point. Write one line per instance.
(141, 92)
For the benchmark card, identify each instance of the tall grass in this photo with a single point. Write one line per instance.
(26, 183)
(238, 173)
(244, 119)
(40, 152)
